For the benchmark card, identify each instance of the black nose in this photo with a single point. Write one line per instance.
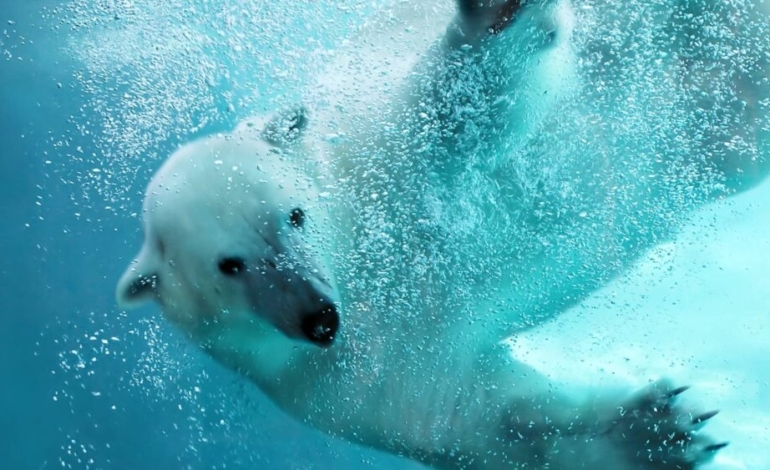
(320, 327)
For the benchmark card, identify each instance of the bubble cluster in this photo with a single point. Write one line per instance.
(156, 74)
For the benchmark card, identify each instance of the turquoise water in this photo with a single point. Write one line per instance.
(95, 95)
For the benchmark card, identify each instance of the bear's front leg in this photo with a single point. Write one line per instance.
(649, 431)
(726, 86)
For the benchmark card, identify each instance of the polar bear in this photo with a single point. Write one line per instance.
(362, 262)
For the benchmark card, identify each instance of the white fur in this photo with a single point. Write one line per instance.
(453, 197)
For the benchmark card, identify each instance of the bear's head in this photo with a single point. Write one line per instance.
(232, 235)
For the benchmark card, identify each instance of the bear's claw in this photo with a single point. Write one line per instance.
(716, 447)
(505, 15)
(704, 417)
(493, 15)
(677, 391)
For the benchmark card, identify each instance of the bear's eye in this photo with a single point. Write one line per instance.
(231, 266)
(297, 217)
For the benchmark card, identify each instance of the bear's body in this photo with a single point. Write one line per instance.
(362, 265)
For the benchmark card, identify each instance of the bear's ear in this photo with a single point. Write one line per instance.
(286, 127)
(139, 284)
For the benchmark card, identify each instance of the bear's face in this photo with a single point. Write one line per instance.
(232, 236)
